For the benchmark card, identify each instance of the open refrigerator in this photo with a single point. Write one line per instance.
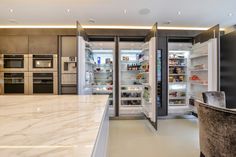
(97, 73)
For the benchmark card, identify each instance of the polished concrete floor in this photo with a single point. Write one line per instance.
(136, 138)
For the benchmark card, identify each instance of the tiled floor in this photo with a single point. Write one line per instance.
(135, 138)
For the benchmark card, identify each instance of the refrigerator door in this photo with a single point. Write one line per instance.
(150, 107)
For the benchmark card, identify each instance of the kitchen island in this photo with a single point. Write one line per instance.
(53, 126)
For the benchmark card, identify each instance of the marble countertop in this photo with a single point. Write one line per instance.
(50, 126)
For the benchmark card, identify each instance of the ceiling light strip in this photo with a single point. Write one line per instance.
(104, 27)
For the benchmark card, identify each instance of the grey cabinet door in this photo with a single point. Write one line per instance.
(39, 44)
(68, 46)
(14, 44)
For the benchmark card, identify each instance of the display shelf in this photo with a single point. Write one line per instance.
(145, 84)
(173, 83)
(129, 106)
(130, 70)
(130, 98)
(177, 66)
(198, 56)
(199, 83)
(103, 65)
(177, 98)
(177, 90)
(103, 72)
(131, 91)
(97, 86)
(102, 91)
(176, 74)
(177, 104)
(130, 61)
(177, 58)
(133, 86)
(102, 79)
(198, 70)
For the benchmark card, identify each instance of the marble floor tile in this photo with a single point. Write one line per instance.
(136, 138)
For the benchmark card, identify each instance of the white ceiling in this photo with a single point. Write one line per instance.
(194, 13)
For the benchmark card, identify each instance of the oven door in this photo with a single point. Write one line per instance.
(43, 83)
(13, 83)
(13, 61)
(43, 61)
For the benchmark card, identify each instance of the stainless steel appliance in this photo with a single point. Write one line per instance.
(15, 83)
(43, 83)
(15, 63)
(43, 62)
(68, 75)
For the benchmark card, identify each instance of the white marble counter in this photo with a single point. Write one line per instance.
(50, 126)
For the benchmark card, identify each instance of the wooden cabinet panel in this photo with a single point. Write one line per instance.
(43, 44)
(68, 46)
(14, 44)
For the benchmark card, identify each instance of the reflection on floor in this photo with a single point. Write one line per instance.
(136, 138)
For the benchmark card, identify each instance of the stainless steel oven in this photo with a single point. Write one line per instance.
(15, 83)
(15, 63)
(43, 83)
(43, 62)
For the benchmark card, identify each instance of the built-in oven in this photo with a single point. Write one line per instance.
(43, 83)
(15, 63)
(43, 62)
(15, 83)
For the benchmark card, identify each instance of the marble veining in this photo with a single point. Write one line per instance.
(49, 125)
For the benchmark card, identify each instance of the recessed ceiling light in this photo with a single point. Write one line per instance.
(91, 20)
(167, 22)
(179, 13)
(125, 11)
(230, 14)
(12, 21)
(11, 10)
(144, 11)
(68, 10)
